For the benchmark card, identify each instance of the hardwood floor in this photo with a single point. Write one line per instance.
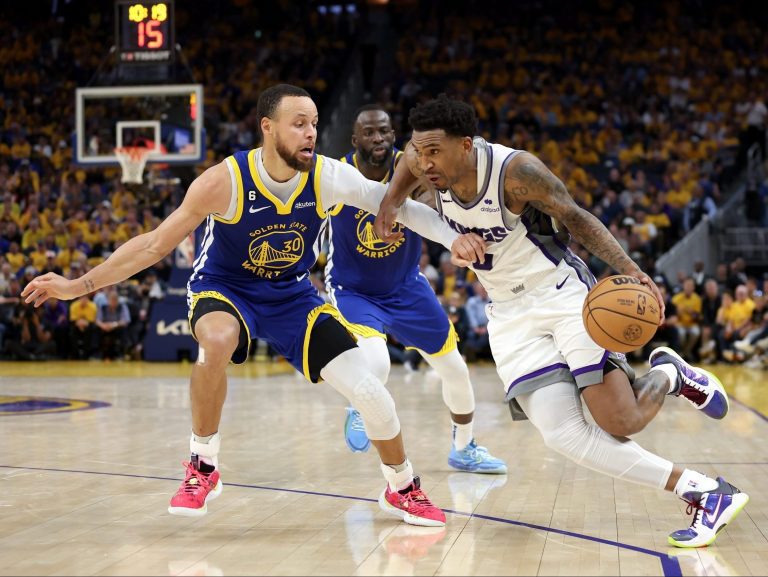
(85, 487)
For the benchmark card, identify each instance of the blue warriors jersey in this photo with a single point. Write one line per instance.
(358, 259)
(258, 261)
(268, 246)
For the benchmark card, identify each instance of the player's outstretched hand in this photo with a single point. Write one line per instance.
(385, 223)
(47, 286)
(468, 249)
(648, 281)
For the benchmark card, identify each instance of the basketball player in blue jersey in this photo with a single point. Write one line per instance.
(263, 211)
(544, 356)
(378, 287)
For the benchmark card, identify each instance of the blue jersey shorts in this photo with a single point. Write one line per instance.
(412, 314)
(285, 324)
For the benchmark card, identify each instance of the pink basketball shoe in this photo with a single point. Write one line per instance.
(412, 506)
(191, 500)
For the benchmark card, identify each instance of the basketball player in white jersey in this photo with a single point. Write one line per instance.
(263, 210)
(509, 200)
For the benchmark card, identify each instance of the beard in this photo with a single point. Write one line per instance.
(291, 159)
(368, 158)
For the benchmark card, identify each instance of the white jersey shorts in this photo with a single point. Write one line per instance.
(538, 337)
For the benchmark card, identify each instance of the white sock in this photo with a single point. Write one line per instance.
(206, 448)
(694, 481)
(398, 476)
(462, 435)
(671, 372)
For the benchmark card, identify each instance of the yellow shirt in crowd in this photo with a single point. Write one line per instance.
(739, 313)
(82, 310)
(688, 308)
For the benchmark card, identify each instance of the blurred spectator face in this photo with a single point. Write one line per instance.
(113, 300)
(456, 300)
(447, 267)
(14, 287)
(741, 293)
(711, 288)
(373, 137)
(727, 299)
(688, 286)
(293, 130)
(722, 271)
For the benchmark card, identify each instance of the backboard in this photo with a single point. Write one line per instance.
(167, 118)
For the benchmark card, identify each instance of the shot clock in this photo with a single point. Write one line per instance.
(144, 30)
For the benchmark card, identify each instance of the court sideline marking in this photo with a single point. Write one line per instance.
(670, 566)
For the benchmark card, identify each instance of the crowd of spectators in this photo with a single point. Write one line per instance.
(642, 110)
(56, 216)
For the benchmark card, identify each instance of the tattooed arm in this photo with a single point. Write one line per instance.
(528, 181)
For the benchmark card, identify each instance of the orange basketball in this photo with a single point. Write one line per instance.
(620, 313)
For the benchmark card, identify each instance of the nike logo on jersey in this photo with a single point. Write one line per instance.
(299, 278)
(253, 209)
(560, 285)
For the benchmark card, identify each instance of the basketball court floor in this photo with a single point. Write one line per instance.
(92, 452)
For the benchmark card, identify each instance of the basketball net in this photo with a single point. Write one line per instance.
(132, 160)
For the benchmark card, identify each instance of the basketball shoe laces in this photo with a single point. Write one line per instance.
(357, 423)
(693, 391)
(695, 508)
(194, 480)
(475, 451)
(415, 501)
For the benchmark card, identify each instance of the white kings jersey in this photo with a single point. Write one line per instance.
(521, 248)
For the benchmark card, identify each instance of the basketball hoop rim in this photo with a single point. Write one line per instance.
(132, 161)
(135, 153)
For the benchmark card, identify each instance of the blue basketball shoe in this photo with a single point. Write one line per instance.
(354, 432)
(712, 510)
(476, 459)
(701, 388)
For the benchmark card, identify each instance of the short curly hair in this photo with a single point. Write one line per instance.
(456, 118)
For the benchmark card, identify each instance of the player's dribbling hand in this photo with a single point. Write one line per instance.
(47, 286)
(648, 281)
(385, 222)
(468, 249)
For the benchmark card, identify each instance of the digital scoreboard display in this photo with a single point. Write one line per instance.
(144, 31)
